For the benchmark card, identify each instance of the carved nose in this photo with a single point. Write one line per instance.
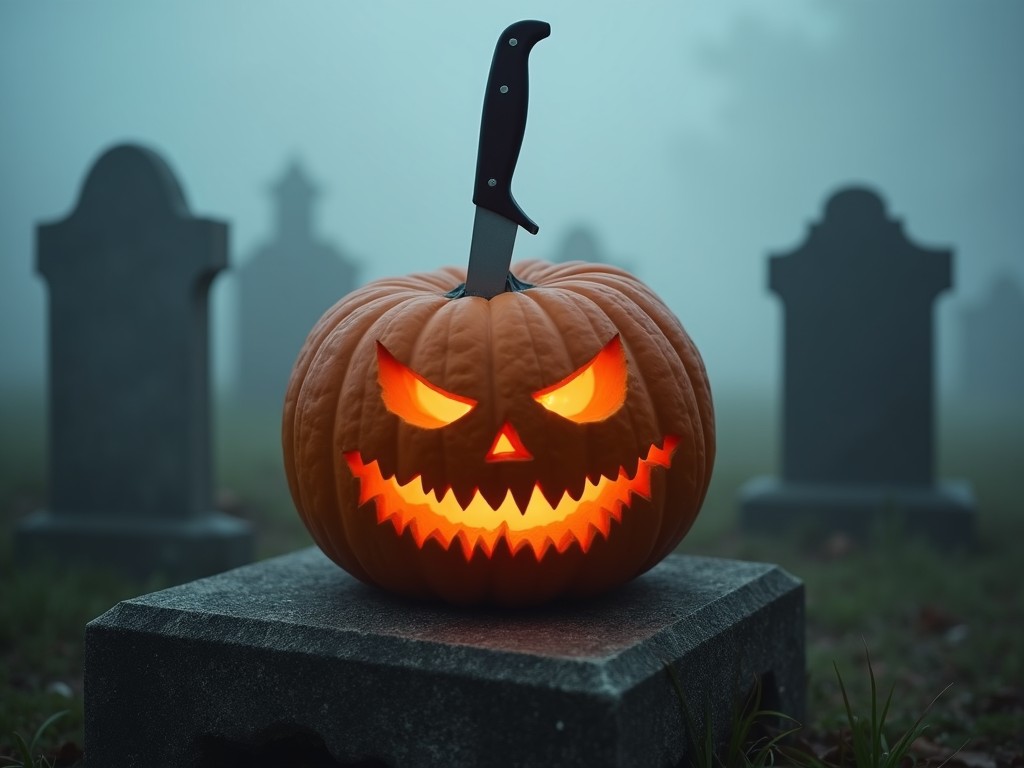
(508, 446)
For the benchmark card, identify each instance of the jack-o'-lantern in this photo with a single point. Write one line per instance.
(554, 439)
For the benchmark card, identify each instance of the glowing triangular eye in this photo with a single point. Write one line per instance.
(593, 392)
(414, 399)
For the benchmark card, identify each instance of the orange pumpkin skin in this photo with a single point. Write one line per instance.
(498, 354)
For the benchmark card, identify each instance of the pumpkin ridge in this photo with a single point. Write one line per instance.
(692, 361)
(414, 307)
(368, 339)
(696, 372)
(579, 299)
(346, 533)
(327, 329)
(402, 448)
(634, 432)
(628, 306)
(541, 304)
(700, 394)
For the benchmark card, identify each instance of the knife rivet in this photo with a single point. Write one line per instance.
(492, 182)
(504, 89)
(513, 42)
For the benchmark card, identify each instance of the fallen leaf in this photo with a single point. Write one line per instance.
(933, 620)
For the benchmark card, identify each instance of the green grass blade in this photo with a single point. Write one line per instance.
(880, 731)
(26, 753)
(902, 746)
(46, 724)
(704, 757)
(846, 700)
(875, 727)
(861, 750)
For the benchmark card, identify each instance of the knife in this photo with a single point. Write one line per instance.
(502, 125)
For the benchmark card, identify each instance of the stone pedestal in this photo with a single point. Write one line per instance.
(943, 514)
(293, 656)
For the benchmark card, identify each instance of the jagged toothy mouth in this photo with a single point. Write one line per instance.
(478, 525)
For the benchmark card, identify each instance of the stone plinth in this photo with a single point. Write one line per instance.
(943, 513)
(294, 651)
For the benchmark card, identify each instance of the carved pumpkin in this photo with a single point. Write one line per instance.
(556, 439)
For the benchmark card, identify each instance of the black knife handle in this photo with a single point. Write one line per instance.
(504, 121)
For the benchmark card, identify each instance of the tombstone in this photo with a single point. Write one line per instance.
(992, 360)
(294, 657)
(129, 272)
(858, 393)
(582, 244)
(284, 288)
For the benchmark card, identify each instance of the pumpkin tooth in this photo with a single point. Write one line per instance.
(545, 545)
(493, 497)
(616, 514)
(588, 536)
(541, 504)
(464, 496)
(367, 490)
(487, 544)
(414, 485)
(522, 494)
(517, 542)
(575, 488)
(642, 480)
(552, 496)
(467, 544)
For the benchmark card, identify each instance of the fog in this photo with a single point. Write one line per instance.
(694, 138)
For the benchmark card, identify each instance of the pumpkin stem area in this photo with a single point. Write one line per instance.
(512, 284)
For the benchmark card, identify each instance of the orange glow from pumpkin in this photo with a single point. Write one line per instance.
(414, 399)
(478, 526)
(593, 392)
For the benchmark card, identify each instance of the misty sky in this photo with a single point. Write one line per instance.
(694, 136)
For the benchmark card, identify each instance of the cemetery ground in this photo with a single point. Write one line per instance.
(929, 619)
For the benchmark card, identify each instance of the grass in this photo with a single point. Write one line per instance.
(29, 754)
(930, 619)
(754, 739)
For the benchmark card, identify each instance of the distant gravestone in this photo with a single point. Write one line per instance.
(582, 244)
(129, 439)
(992, 358)
(858, 394)
(284, 288)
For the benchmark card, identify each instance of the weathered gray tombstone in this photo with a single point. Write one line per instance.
(582, 244)
(284, 288)
(858, 395)
(128, 273)
(992, 348)
(292, 657)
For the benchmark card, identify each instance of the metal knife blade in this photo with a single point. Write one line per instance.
(494, 236)
(502, 126)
